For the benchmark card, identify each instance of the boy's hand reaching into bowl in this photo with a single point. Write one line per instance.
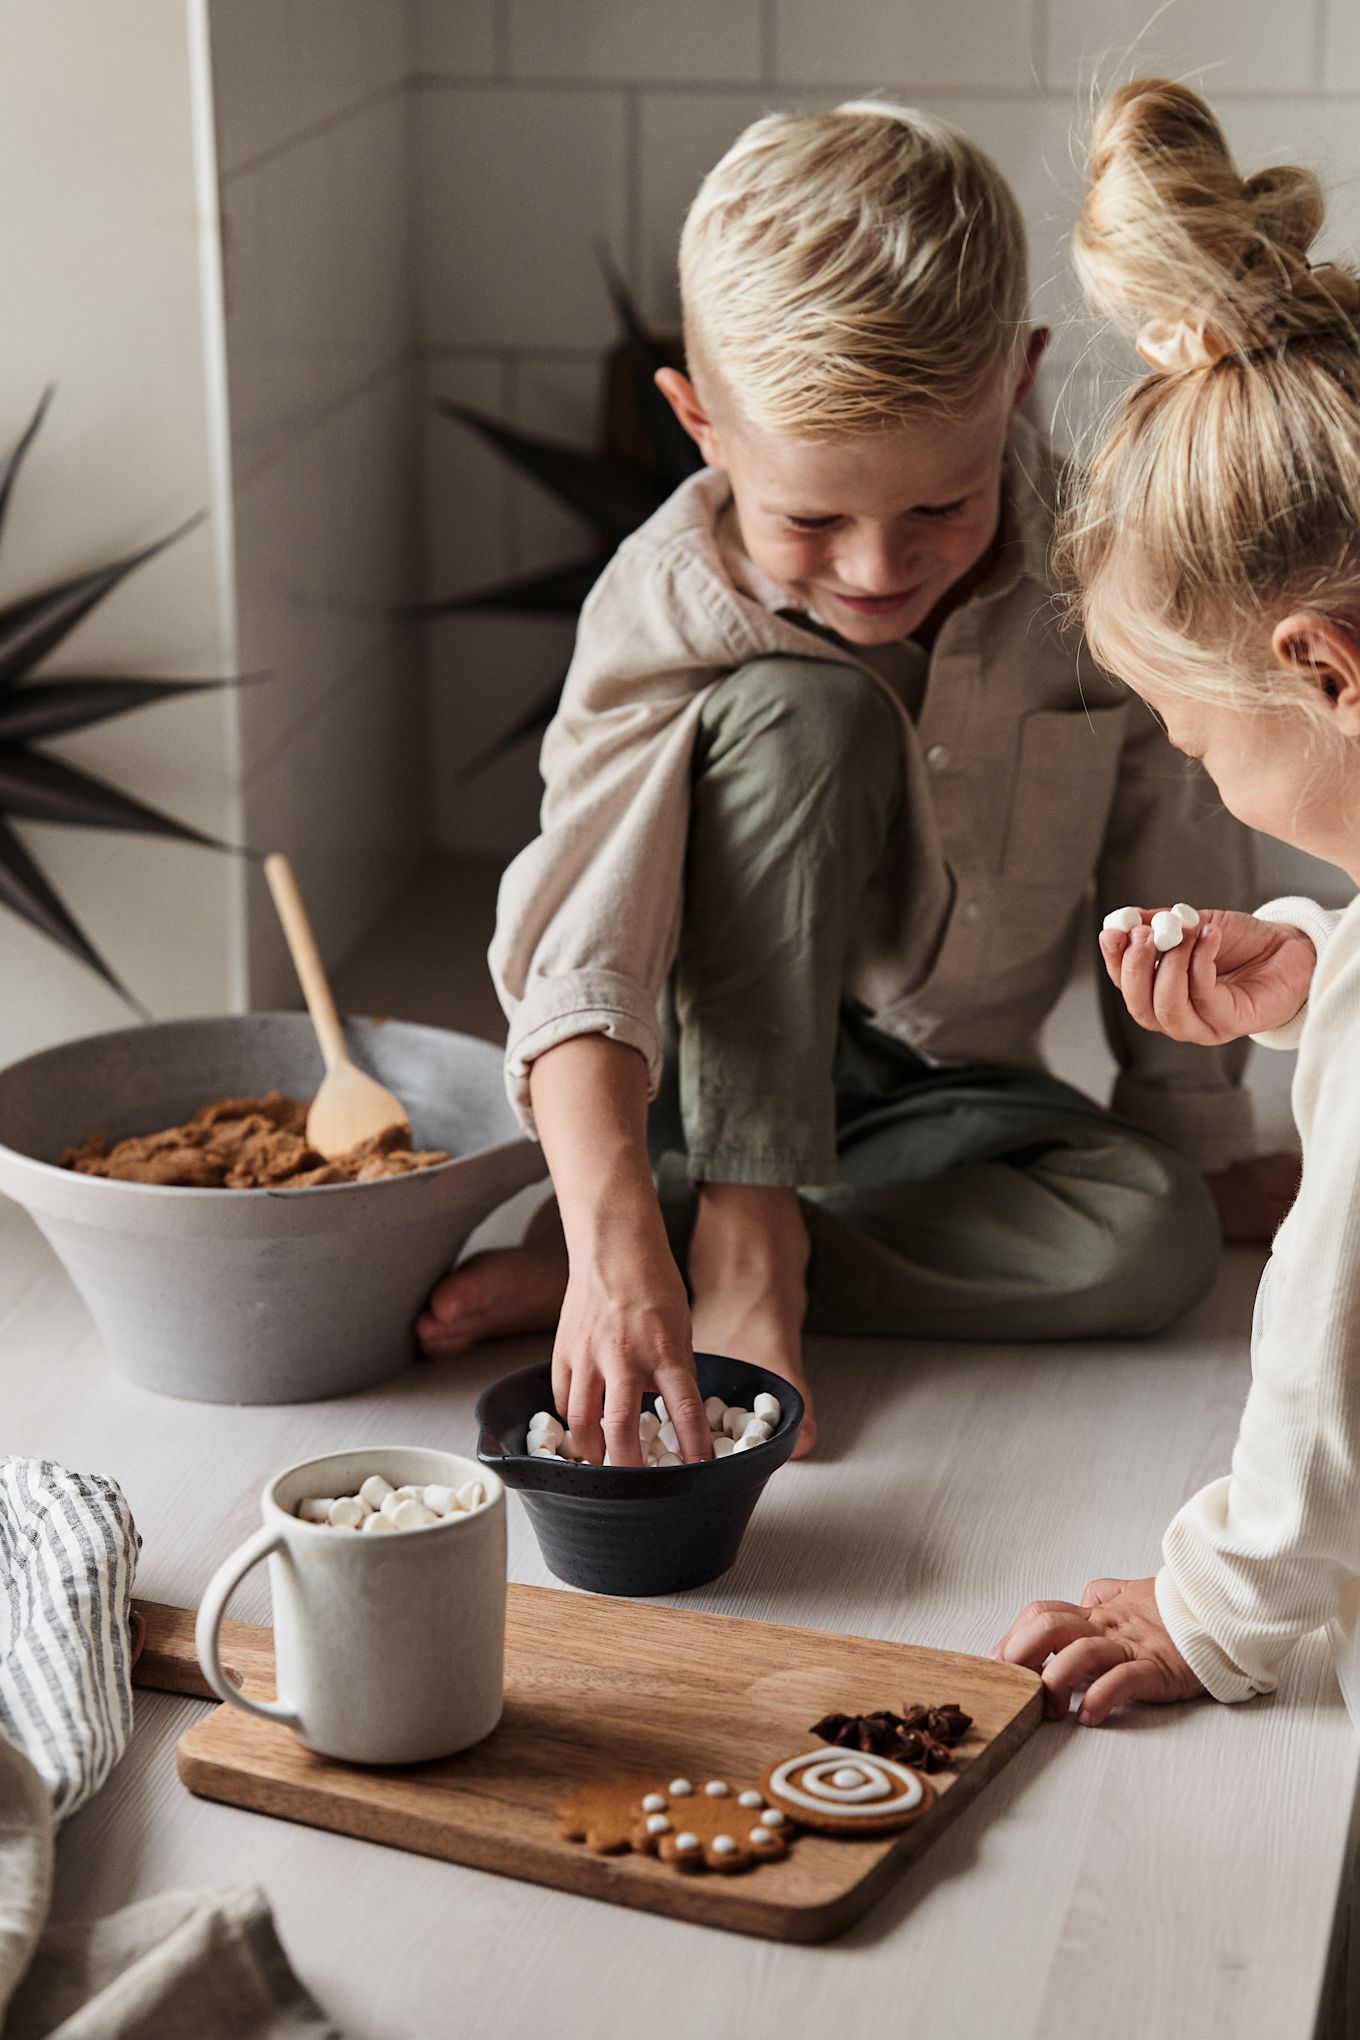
(1230, 976)
(625, 1328)
(1114, 1646)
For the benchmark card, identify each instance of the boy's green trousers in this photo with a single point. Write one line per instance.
(965, 1203)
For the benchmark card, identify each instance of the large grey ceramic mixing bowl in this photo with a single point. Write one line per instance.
(257, 1296)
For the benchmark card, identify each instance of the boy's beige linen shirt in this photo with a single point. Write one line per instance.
(1026, 773)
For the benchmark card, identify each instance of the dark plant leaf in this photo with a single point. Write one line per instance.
(53, 708)
(37, 788)
(26, 892)
(615, 496)
(677, 457)
(532, 723)
(29, 630)
(559, 592)
(10, 464)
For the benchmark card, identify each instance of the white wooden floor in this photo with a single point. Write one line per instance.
(1175, 1875)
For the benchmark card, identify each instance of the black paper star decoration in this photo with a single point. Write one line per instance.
(614, 493)
(34, 785)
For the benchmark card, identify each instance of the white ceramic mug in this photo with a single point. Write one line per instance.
(388, 1650)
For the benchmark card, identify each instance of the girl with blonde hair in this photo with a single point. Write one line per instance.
(1215, 542)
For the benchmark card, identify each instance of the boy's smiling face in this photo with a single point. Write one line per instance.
(874, 531)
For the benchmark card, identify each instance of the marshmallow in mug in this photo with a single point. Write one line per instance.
(1169, 930)
(733, 1429)
(378, 1506)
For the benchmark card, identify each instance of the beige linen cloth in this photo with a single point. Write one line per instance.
(184, 1965)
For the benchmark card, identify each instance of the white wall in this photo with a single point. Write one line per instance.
(102, 241)
(312, 126)
(544, 126)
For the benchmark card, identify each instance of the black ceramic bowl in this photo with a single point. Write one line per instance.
(637, 1529)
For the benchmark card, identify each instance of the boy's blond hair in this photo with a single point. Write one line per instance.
(845, 269)
(1227, 490)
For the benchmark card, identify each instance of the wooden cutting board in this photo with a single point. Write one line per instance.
(598, 1688)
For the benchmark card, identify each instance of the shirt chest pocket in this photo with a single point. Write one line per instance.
(1065, 771)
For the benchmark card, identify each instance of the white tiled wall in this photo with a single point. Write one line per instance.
(103, 239)
(313, 138)
(542, 127)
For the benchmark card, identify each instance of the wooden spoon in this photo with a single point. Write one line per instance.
(350, 1106)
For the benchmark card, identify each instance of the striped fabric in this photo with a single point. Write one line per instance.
(68, 1550)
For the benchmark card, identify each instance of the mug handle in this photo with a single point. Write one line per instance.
(220, 1589)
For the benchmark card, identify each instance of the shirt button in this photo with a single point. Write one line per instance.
(937, 757)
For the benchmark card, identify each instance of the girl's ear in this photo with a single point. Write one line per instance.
(688, 407)
(1325, 653)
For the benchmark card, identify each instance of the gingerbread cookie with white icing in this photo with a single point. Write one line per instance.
(835, 1792)
(710, 1825)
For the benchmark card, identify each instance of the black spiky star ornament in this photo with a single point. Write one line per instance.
(35, 786)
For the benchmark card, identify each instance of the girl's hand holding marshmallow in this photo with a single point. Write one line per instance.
(1230, 976)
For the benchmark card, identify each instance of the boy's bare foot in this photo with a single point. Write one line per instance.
(748, 1277)
(504, 1290)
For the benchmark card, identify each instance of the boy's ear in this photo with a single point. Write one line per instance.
(1325, 652)
(688, 407)
(1035, 348)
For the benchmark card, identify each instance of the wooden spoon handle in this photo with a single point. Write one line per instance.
(297, 931)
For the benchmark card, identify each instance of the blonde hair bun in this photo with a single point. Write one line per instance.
(1171, 231)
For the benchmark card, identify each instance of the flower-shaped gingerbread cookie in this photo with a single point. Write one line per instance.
(840, 1793)
(710, 1825)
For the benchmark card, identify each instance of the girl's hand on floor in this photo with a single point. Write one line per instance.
(1114, 1646)
(625, 1328)
(1233, 975)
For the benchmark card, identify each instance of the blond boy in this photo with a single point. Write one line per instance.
(829, 787)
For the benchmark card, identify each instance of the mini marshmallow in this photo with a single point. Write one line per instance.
(544, 1423)
(391, 1503)
(736, 1420)
(722, 1447)
(347, 1513)
(405, 1494)
(442, 1500)
(412, 1515)
(746, 1443)
(767, 1407)
(758, 1430)
(660, 1408)
(569, 1448)
(378, 1521)
(316, 1509)
(472, 1494)
(542, 1452)
(668, 1459)
(1122, 921)
(667, 1436)
(1167, 932)
(1187, 915)
(715, 1409)
(648, 1426)
(375, 1491)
